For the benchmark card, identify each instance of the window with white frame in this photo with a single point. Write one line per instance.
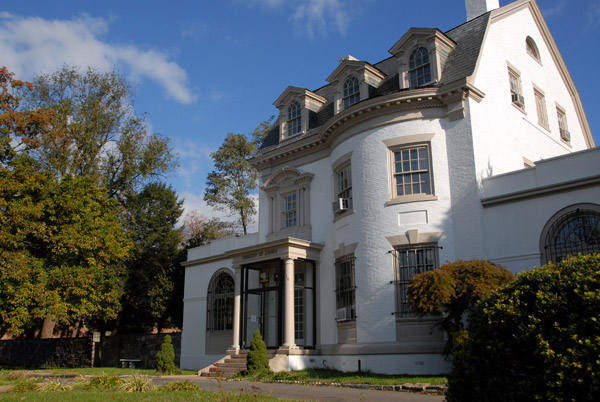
(562, 125)
(532, 48)
(345, 288)
(351, 92)
(344, 185)
(410, 260)
(419, 67)
(289, 211)
(294, 120)
(516, 93)
(220, 302)
(540, 106)
(412, 170)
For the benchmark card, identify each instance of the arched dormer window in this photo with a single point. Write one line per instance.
(294, 120)
(220, 302)
(532, 48)
(419, 67)
(351, 92)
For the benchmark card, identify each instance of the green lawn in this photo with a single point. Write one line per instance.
(92, 371)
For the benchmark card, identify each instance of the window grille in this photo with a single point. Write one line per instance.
(351, 92)
(411, 170)
(294, 121)
(577, 232)
(345, 289)
(419, 67)
(220, 297)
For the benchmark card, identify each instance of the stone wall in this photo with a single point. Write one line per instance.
(34, 353)
(84, 352)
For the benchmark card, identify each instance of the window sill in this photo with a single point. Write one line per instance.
(411, 198)
(519, 108)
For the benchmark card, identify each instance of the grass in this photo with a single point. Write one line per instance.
(95, 371)
(334, 376)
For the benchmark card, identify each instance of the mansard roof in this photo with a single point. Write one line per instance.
(461, 64)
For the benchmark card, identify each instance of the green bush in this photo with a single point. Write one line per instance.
(538, 339)
(25, 385)
(136, 383)
(180, 386)
(165, 357)
(453, 289)
(104, 381)
(258, 361)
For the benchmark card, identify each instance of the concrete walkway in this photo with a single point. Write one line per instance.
(302, 392)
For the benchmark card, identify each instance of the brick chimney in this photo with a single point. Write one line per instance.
(477, 7)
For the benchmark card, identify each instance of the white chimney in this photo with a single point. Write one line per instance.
(477, 7)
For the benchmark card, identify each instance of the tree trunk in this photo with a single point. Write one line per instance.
(48, 328)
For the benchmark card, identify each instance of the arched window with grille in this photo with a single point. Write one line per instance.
(419, 67)
(575, 230)
(294, 120)
(351, 92)
(220, 302)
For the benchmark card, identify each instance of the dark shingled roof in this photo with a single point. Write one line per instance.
(461, 63)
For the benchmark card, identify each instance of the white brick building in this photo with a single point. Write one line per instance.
(468, 144)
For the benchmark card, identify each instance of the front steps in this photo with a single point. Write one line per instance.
(232, 365)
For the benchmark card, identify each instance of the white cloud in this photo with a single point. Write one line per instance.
(556, 10)
(318, 15)
(33, 45)
(593, 15)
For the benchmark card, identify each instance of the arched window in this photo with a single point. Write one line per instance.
(575, 231)
(351, 92)
(419, 67)
(220, 302)
(294, 120)
(532, 48)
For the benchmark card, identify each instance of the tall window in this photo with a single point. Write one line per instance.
(220, 302)
(294, 120)
(516, 93)
(351, 92)
(412, 170)
(540, 106)
(345, 288)
(576, 232)
(411, 260)
(419, 67)
(299, 306)
(562, 125)
(344, 185)
(289, 210)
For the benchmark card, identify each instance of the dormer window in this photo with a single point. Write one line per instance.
(294, 119)
(419, 67)
(351, 92)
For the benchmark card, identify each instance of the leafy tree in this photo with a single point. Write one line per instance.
(154, 263)
(453, 289)
(258, 360)
(230, 186)
(537, 339)
(165, 357)
(199, 230)
(96, 131)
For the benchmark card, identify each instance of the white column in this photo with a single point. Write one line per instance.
(235, 346)
(288, 309)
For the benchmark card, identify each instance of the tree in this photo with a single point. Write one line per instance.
(96, 131)
(199, 230)
(258, 360)
(537, 339)
(154, 263)
(454, 289)
(230, 186)
(165, 357)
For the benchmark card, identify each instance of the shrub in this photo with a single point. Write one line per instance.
(538, 339)
(165, 357)
(180, 386)
(136, 383)
(54, 386)
(258, 361)
(25, 385)
(104, 381)
(453, 289)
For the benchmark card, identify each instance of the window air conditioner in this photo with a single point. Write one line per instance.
(344, 314)
(341, 205)
(565, 135)
(518, 99)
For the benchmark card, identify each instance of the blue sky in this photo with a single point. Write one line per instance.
(202, 69)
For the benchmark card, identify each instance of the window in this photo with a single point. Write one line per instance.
(562, 125)
(419, 67)
(299, 306)
(540, 106)
(345, 289)
(411, 260)
(515, 89)
(532, 48)
(220, 304)
(288, 210)
(574, 232)
(343, 193)
(294, 121)
(351, 92)
(412, 171)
